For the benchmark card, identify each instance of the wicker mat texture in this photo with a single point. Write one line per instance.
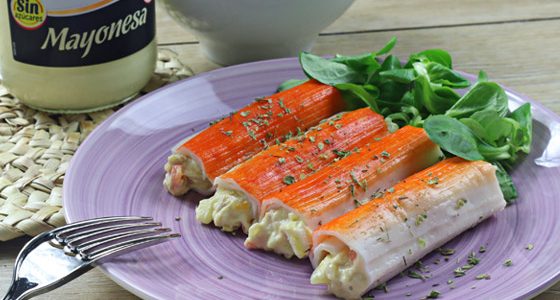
(36, 148)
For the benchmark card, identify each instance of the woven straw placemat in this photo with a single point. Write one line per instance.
(36, 148)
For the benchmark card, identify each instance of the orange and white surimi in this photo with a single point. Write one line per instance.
(240, 191)
(196, 162)
(369, 245)
(288, 217)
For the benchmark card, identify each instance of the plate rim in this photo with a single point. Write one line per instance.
(275, 63)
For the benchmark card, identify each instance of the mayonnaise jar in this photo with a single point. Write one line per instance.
(76, 56)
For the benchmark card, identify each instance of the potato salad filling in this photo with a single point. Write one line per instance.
(182, 173)
(228, 209)
(282, 232)
(342, 273)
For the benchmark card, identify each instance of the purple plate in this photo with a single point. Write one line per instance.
(119, 171)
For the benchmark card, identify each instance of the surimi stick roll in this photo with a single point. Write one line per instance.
(378, 240)
(240, 191)
(287, 218)
(201, 158)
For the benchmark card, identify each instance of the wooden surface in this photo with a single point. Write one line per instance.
(516, 42)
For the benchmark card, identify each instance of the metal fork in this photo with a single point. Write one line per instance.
(54, 258)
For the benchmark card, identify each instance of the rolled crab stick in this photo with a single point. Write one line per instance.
(239, 192)
(197, 161)
(380, 239)
(288, 218)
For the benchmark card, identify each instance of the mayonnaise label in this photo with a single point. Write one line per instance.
(57, 33)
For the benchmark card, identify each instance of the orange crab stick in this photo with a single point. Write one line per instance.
(289, 216)
(241, 190)
(198, 161)
(383, 237)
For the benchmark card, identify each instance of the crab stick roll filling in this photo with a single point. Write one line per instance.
(343, 270)
(240, 191)
(289, 216)
(196, 162)
(371, 244)
(182, 173)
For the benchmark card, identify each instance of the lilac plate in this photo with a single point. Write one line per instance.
(119, 171)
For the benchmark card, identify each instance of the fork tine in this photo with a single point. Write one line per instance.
(85, 239)
(93, 232)
(98, 222)
(82, 248)
(120, 248)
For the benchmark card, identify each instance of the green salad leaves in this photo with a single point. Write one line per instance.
(471, 121)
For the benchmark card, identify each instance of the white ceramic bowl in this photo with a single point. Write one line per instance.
(237, 31)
